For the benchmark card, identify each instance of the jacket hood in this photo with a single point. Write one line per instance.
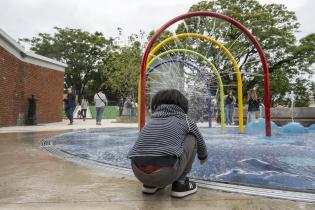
(167, 110)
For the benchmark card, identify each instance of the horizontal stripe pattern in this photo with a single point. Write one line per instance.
(164, 134)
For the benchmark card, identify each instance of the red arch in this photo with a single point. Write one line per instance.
(219, 16)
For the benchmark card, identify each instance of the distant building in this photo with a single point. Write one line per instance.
(23, 74)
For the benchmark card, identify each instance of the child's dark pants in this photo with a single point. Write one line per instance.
(167, 175)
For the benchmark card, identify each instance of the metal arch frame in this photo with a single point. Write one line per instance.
(198, 70)
(216, 72)
(222, 17)
(229, 55)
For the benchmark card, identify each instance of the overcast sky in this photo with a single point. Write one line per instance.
(26, 18)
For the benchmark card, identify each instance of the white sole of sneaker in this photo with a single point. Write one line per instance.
(149, 190)
(183, 194)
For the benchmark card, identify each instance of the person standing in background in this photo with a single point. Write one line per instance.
(229, 101)
(84, 106)
(121, 106)
(129, 106)
(261, 108)
(253, 106)
(100, 103)
(31, 114)
(70, 105)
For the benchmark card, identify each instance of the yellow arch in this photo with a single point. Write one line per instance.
(227, 52)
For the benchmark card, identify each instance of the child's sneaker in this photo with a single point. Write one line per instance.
(182, 188)
(149, 190)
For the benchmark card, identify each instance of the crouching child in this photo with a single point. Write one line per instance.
(167, 145)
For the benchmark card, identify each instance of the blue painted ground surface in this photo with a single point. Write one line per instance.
(285, 161)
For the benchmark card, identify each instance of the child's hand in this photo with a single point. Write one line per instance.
(203, 161)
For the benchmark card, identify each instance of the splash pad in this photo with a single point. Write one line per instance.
(281, 166)
(245, 160)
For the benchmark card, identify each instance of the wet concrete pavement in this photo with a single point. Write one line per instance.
(79, 125)
(32, 178)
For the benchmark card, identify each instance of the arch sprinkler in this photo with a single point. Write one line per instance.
(202, 75)
(215, 71)
(228, 54)
(222, 17)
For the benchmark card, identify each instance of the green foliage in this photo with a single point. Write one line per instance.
(122, 69)
(127, 119)
(313, 89)
(302, 90)
(164, 35)
(278, 84)
(273, 26)
(95, 61)
(80, 50)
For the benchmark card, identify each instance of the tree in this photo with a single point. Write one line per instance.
(122, 68)
(165, 34)
(82, 51)
(301, 88)
(274, 27)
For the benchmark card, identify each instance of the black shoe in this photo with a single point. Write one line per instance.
(180, 190)
(150, 190)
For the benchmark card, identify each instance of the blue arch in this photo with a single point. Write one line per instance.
(199, 72)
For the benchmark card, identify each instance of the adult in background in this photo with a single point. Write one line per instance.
(133, 107)
(253, 106)
(84, 106)
(229, 102)
(135, 104)
(261, 107)
(70, 106)
(31, 114)
(100, 103)
(121, 106)
(128, 106)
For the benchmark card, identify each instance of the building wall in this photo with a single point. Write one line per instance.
(18, 81)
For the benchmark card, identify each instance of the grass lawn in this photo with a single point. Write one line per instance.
(110, 112)
(126, 119)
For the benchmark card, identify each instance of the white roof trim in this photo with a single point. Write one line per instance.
(13, 47)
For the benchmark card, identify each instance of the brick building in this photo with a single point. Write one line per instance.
(23, 74)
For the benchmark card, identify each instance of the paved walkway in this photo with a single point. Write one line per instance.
(77, 125)
(61, 126)
(31, 178)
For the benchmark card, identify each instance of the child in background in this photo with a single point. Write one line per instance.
(79, 115)
(167, 145)
(84, 107)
